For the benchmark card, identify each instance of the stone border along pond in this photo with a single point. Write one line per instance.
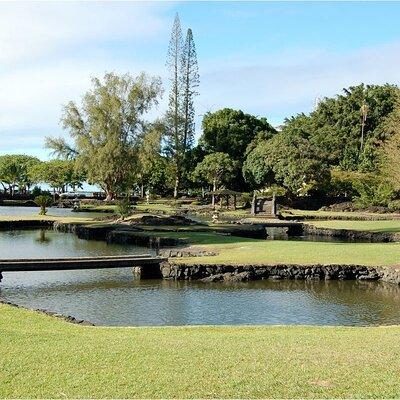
(121, 234)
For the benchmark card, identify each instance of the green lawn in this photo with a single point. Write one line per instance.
(374, 226)
(237, 250)
(338, 214)
(43, 357)
(74, 219)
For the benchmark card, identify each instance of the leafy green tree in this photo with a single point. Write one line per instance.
(231, 131)
(14, 172)
(215, 169)
(59, 174)
(350, 126)
(43, 201)
(389, 153)
(124, 208)
(156, 172)
(289, 159)
(107, 129)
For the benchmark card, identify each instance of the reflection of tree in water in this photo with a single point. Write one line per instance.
(42, 238)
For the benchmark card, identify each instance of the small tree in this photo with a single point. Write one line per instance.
(43, 201)
(124, 208)
(215, 169)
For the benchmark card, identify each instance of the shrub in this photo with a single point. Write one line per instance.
(373, 193)
(43, 201)
(394, 206)
(124, 208)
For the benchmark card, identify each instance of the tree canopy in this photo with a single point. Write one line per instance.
(15, 171)
(108, 126)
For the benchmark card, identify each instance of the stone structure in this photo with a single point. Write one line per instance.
(265, 206)
(240, 273)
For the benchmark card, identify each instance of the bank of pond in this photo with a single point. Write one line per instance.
(115, 297)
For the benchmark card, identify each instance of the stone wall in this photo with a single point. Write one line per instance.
(238, 273)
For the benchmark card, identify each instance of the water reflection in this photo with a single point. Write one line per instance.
(113, 297)
(51, 211)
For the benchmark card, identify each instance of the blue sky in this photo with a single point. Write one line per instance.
(271, 59)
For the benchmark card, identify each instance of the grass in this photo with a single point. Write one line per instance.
(237, 250)
(371, 226)
(337, 214)
(74, 219)
(44, 357)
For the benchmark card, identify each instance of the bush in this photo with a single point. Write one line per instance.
(394, 206)
(43, 201)
(373, 193)
(124, 208)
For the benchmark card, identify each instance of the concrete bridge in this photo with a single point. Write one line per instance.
(144, 265)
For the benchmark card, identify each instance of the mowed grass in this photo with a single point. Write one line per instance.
(338, 214)
(73, 219)
(43, 357)
(237, 250)
(372, 226)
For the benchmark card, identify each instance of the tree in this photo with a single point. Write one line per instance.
(350, 126)
(390, 150)
(289, 159)
(14, 172)
(184, 78)
(59, 174)
(190, 82)
(43, 201)
(107, 128)
(215, 169)
(174, 118)
(156, 171)
(231, 132)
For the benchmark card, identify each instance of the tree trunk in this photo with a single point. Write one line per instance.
(176, 187)
(213, 195)
(109, 196)
(142, 191)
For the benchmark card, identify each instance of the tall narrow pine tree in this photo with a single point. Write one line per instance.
(190, 82)
(174, 117)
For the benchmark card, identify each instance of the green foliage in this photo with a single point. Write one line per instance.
(231, 131)
(107, 127)
(15, 171)
(58, 174)
(389, 153)
(215, 169)
(124, 208)
(43, 201)
(156, 172)
(394, 206)
(289, 159)
(338, 126)
(373, 192)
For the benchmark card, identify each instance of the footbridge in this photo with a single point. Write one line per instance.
(144, 265)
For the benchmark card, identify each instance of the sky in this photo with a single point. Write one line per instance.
(271, 59)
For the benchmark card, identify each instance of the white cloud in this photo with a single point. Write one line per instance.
(49, 51)
(283, 85)
(29, 30)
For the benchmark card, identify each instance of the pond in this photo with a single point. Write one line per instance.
(114, 297)
(51, 211)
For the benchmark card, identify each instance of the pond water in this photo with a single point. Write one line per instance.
(52, 211)
(114, 297)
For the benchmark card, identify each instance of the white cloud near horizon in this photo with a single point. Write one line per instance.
(49, 52)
